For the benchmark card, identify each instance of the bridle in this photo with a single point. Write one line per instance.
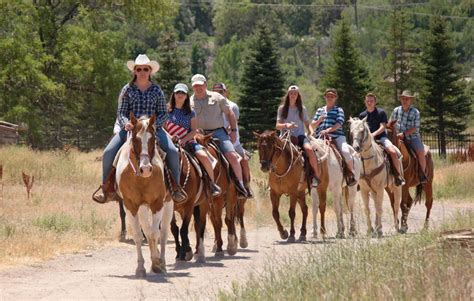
(138, 158)
(285, 137)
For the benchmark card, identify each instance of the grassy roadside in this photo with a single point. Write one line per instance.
(397, 268)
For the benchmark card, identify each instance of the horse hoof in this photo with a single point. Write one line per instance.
(377, 234)
(201, 259)
(214, 248)
(340, 235)
(231, 251)
(403, 230)
(244, 243)
(140, 273)
(302, 238)
(284, 234)
(123, 236)
(352, 233)
(188, 256)
(291, 239)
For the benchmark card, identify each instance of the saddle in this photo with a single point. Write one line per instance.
(308, 171)
(413, 156)
(345, 171)
(388, 162)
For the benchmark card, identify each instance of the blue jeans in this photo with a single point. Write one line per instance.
(172, 158)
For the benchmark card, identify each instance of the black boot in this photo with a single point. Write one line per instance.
(215, 190)
(179, 195)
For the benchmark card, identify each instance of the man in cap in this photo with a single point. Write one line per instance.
(408, 126)
(209, 107)
(244, 163)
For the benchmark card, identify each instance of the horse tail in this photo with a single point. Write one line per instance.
(419, 192)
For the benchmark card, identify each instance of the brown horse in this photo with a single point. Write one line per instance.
(411, 171)
(197, 204)
(227, 199)
(141, 185)
(285, 165)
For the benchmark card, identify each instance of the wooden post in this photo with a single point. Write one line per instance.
(28, 183)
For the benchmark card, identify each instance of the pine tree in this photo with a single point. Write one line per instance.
(346, 73)
(172, 66)
(198, 60)
(446, 104)
(261, 84)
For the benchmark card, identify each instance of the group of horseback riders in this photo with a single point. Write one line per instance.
(215, 114)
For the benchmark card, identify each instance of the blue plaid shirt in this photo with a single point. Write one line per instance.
(333, 116)
(407, 120)
(152, 100)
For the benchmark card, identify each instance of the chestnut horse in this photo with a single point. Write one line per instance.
(141, 185)
(410, 170)
(227, 199)
(285, 165)
(197, 204)
(375, 175)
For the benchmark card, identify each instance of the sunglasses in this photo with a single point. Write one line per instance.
(144, 69)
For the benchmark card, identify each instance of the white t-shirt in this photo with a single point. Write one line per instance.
(235, 109)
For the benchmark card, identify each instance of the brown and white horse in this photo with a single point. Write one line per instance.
(285, 165)
(375, 175)
(410, 170)
(141, 185)
(227, 199)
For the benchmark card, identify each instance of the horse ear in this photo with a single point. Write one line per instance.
(133, 119)
(273, 133)
(351, 119)
(152, 120)
(256, 134)
(364, 119)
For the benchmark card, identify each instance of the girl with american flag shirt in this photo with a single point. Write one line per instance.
(182, 125)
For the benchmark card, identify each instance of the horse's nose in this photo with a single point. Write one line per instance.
(265, 166)
(357, 148)
(146, 170)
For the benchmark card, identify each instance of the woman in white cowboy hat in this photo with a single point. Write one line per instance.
(142, 97)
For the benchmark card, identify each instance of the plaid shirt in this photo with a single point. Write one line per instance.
(335, 115)
(152, 100)
(407, 120)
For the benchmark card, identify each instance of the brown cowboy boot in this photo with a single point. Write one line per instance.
(350, 178)
(179, 195)
(107, 190)
(250, 194)
(215, 190)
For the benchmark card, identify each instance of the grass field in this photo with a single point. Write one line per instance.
(61, 217)
(411, 267)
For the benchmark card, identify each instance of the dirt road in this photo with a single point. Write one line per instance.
(109, 273)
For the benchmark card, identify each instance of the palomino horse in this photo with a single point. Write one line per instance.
(196, 204)
(410, 170)
(227, 199)
(285, 165)
(332, 179)
(141, 185)
(375, 175)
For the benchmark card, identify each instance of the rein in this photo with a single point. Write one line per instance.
(287, 141)
(372, 149)
(135, 170)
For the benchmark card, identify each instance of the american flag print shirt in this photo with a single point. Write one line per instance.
(179, 123)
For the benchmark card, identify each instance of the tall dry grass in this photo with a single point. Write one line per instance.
(60, 216)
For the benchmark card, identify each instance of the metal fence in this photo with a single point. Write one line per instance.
(454, 143)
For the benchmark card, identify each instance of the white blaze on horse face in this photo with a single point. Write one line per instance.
(145, 164)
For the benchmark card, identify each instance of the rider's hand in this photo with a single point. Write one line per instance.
(321, 118)
(128, 126)
(233, 137)
(291, 125)
(324, 132)
(400, 136)
(175, 139)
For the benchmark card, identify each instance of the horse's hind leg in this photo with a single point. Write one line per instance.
(395, 195)
(378, 199)
(230, 216)
(216, 219)
(275, 198)
(292, 215)
(339, 216)
(350, 198)
(175, 232)
(123, 232)
(186, 252)
(243, 234)
(405, 206)
(304, 212)
(364, 193)
(428, 202)
(163, 231)
(322, 211)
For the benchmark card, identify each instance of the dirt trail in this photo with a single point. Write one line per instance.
(108, 273)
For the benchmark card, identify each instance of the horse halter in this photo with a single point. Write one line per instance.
(138, 157)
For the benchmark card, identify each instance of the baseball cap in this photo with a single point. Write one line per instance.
(293, 87)
(181, 87)
(219, 86)
(330, 90)
(198, 79)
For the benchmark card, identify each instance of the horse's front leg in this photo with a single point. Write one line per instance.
(395, 196)
(405, 207)
(123, 232)
(304, 212)
(292, 215)
(164, 226)
(314, 207)
(351, 193)
(339, 214)
(364, 193)
(140, 271)
(200, 213)
(175, 232)
(230, 216)
(216, 219)
(322, 210)
(378, 200)
(275, 198)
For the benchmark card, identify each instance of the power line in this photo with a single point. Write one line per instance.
(385, 8)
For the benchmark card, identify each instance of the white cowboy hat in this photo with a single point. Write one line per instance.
(142, 59)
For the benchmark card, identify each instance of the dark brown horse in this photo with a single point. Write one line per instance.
(285, 165)
(228, 200)
(197, 204)
(411, 172)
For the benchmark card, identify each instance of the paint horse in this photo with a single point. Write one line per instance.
(410, 171)
(375, 175)
(141, 185)
(333, 180)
